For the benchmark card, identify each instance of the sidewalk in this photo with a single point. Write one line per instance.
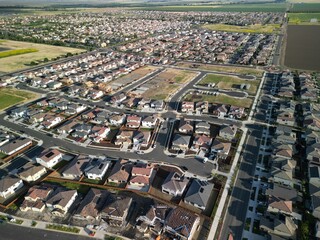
(99, 234)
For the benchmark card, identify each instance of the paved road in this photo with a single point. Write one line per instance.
(15, 232)
(237, 209)
(157, 155)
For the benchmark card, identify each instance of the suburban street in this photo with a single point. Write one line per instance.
(14, 232)
(239, 199)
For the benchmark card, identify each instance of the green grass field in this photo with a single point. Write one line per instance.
(229, 82)
(303, 18)
(305, 8)
(10, 97)
(7, 100)
(17, 52)
(222, 68)
(266, 7)
(222, 99)
(257, 28)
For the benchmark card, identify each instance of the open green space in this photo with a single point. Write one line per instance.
(17, 52)
(7, 100)
(259, 7)
(221, 98)
(305, 7)
(256, 28)
(229, 82)
(10, 97)
(222, 68)
(303, 18)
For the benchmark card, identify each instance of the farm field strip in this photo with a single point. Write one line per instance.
(15, 52)
(257, 28)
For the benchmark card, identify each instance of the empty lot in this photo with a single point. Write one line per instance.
(18, 62)
(302, 51)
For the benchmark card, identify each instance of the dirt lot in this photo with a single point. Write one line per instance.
(18, 62)
(167, 82)
(302, 50)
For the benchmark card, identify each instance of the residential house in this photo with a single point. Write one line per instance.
(19, 112)
(220, 111)
(174, 184)
(198, 194)
(141, 138)
(124, 138)
(117, 119)
(9, 186)
(149, 122)
(141, 177)
(222, 149)
(116, 209)
(34, 199)
(49, 158)
(97, 168)
(31, 173)
(76, 168)
(186, 127)
(201, 142)
(181, 223)
(203, 128)
(92, 204)
(181, 142)
(187, 107)
(15, 146)
(133, 121)
(120, 172)
(282, 226)
(228, 132)
(61, 201)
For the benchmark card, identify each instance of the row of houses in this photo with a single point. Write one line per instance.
(196, 137)
(217, 110)
(281, 216)
(139, 103)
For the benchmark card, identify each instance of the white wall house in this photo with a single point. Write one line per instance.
(49, 158)
(9, 185)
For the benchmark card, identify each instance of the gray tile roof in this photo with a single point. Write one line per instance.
(199, 192)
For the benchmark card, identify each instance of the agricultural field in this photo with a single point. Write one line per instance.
(305, 7)
(304, 18)
(9, 53)
(221, 98)
(302, 49)
(257, 28)
(221, 68)
(267, 7)
(167, 82)
(229, 82)
(39, 53)
(10, 97)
